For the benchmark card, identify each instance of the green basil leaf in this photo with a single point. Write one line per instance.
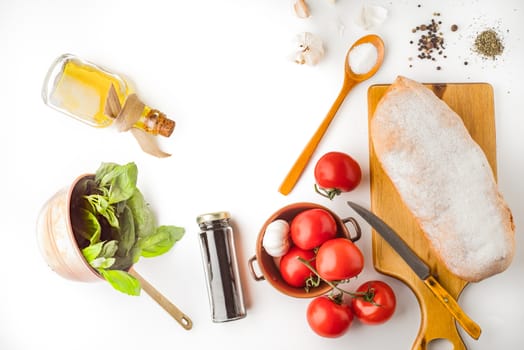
(92, 251)
(122, 262)
(102, 263)
(123, 185)
(126, 234)
(105, 173)
(109, 249)
(100, 204)
(121, 281)
(86, 225)
(161, 241)
(142, 214)
(135, 255)
(111, 218)
(119, 179)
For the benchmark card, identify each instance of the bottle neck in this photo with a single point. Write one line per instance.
(214, 225)
(135, 114)
(155, 122)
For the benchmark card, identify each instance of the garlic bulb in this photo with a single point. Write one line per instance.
(276, 240)
(310, 49)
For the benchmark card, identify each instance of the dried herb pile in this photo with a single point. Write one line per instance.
(488, 44)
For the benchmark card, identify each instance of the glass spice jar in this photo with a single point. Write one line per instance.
(219, 258)
(96, 96)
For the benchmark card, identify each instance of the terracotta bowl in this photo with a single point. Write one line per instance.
(56, 239)
(269, 265)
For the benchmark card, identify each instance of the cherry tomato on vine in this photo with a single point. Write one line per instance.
(329, 318)
(377, 305)
(336, 172)
(339, 259)
(312, 227)
(293, 271)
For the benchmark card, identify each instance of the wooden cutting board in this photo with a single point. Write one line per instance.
(474, 103)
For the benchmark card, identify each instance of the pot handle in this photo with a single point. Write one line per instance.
(252, 269)
(356, 227)
(174, 311)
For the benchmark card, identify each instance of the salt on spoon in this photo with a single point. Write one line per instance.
(351, 78)
(362, 58)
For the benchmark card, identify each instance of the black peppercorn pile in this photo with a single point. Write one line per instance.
(430, 43)
(430, 40)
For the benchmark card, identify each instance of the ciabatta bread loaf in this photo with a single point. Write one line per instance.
(444, 179)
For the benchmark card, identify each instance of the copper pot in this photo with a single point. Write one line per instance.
(57, 241)
(60, 250)
(269, 265)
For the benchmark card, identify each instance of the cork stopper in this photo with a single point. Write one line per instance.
(166, 126)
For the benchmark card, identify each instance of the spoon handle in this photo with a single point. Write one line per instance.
(296, 170)
(174, 311)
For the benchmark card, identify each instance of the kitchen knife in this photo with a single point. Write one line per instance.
(420, 268)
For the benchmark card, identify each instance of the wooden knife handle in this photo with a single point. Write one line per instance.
(453, 307)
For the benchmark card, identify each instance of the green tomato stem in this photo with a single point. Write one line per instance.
(328, 193)
(367, 295)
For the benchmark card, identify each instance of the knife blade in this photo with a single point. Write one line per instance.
(420, 268)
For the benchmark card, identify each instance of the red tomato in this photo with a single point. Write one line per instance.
(328, 318)
(293, 271)
(312, 227)
(378, 304)
(337, 172)
(339, 259)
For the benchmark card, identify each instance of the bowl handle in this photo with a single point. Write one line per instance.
(356, 227)
(252, 269)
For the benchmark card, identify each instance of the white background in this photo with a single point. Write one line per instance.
(244, 111)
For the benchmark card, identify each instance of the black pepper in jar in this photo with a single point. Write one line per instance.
(221, 267)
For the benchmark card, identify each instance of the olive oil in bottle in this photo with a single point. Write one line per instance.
(99, 98)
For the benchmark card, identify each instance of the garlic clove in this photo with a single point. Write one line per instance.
(371, 16)
(301, 9)
(310, 49)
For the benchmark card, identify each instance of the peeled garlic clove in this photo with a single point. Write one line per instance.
(301, 9)
(276, 238)
(310, 49)
(371, 16)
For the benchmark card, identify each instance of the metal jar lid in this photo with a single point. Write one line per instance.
(216, 216)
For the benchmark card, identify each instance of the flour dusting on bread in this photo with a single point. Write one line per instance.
(445, 180)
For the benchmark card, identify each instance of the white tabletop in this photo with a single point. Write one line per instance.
(244, 111)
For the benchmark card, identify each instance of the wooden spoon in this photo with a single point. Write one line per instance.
(350, 80)
(178, 315)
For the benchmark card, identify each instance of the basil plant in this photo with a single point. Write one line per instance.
(114, 226)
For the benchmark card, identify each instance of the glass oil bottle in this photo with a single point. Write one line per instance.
(97, 97)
